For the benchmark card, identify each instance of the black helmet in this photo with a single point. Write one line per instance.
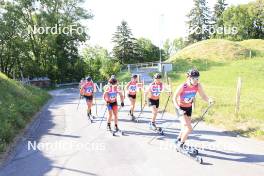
(134, 76)
(157, 76)
(112, 81)
(89, 78)
(193, 73)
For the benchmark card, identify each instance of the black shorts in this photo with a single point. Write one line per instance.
(88, 98)
(131, 96)
(153, 102)
(188, 111)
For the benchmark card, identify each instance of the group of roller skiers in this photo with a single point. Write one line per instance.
(182, 99)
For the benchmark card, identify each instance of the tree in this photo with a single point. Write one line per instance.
(172, 47)
(42, 54)
(147, 51)
(199, 21)
(256, 11)
(219, 9)
(167, 46)
(247, 19)
(97, 60)
(124, 44)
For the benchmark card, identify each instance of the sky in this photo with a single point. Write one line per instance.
(156, 20)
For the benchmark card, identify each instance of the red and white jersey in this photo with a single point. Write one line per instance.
(88, 89)
(111, 92)
(132, 87)
(155, 90)
(188, 94)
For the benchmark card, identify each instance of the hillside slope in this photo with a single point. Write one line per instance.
(18, 103)
(215, 49)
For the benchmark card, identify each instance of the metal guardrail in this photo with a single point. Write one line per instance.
(131, 67)
(67, 84)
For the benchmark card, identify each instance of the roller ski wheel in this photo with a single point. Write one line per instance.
(199, 159)
(187, 153)
(93, 117)
(117, 133)
(90, 118)
(194, 152)
(133, 118)
(191, 150)
(158, 130)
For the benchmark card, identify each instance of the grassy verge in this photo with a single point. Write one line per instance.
(123, 76)
(18, 103)
(219, 80)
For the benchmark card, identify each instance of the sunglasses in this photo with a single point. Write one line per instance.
(195, 78)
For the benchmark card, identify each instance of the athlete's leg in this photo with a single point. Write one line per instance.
(154, 113)
(110, 114)
(186, 127)
(115, 112)
(132, 104)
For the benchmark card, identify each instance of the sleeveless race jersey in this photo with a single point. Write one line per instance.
(155, 90)
(132, 88)
(111, 94)
(187, 95)
(88, 89)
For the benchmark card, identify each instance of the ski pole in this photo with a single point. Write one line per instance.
(142, 107)
(141, 99)
(141, 94)
(95, 106)
(165, 107)
(79, 102)
(203, 115)
(169, 83)
(103, 117)
(140, 112)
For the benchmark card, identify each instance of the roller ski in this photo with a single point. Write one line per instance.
(153, 127)
(108, 128)
(117, 132)
(190, 149)
(191, 153)
(90, 116)
(133, 118)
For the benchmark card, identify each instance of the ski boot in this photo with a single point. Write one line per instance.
(133, 118)
(117, 131)
(89, 116)
(93, 117)
(108, 127)
(152, 126)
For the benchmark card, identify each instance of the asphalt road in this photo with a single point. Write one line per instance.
(68, 144)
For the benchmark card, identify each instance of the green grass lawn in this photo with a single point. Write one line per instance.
(18, 103)
(221, 62)
(220, 82)
(255, 45)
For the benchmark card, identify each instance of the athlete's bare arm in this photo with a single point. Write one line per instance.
(202, 94)
(176, 95)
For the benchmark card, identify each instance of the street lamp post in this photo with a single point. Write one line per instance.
(161, 20)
